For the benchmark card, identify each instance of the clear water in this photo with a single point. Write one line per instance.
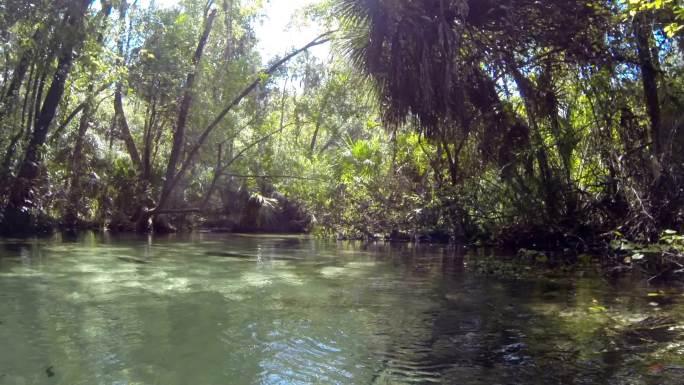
(210, 309)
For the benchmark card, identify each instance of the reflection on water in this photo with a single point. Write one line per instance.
(209, 309)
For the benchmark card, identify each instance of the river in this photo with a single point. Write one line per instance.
(207, 309)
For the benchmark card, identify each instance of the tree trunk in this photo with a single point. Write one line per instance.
(75, 169)
(218, 172)
(150, 126)
(186, 103)
(564, 141)
(124, 129)
(643, 34)
(236, 101)
(11, 94)
(34, 103)
(527, 92)
(119, 113)
(228, 21)
(6, 168)
(18, 218)
(8, 99)
(319, 121)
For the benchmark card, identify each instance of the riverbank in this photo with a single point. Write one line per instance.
(616, 256)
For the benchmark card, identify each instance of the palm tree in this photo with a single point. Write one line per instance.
(451, 67)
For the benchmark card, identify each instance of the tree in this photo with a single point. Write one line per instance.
(18, 217)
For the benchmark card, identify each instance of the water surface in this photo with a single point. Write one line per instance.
(214, 309)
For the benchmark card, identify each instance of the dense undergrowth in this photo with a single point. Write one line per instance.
(549, 126)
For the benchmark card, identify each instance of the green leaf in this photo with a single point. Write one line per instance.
(672, 29)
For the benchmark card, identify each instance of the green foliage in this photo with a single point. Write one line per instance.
(660, 259)
(535, 125)
(674, 7)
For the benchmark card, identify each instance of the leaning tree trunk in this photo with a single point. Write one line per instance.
(179, 131)
(119, 113)
(18, 216)
(194, 150)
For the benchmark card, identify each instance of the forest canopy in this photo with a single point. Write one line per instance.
(515, 122)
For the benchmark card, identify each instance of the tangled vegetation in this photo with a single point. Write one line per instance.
(541, 124)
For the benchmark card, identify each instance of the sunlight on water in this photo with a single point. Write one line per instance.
(209, 309)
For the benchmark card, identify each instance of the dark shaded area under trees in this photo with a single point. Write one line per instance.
(568, 113)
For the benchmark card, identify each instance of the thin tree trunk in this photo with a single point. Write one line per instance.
(282, 109)
(150, 126)
(124, 129)
(11, 94)
(218, 171)
(119, 113)
(6, 172)
(18, 217)
(55, 134)
(236, 101)
(452, 163)
(649, 78)
(6, 176)
(38, 102)
(27, 91)
(74, 169)
(32, 110)
(186, 103)
(527, 92)
(228, 21)
(8, 99)
(159, 130)
(319, 121)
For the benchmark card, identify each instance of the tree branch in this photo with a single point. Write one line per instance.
(276, 177)
(245, 91)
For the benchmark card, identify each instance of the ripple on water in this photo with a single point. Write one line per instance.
(304, 360)
(255, 279)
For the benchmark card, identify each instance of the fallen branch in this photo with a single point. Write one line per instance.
(179, 211)
(276, 177)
